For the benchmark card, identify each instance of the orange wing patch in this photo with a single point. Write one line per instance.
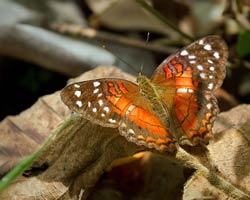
(139, 116)
(185, 109)
(144, 120)
(184, 80)
(197, 128)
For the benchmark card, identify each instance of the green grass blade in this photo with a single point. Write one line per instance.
(24, 164)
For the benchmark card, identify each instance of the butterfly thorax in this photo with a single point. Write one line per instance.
(150, 91)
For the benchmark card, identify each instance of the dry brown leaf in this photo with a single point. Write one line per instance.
(229, 155)
(144, 176)
(21, 135)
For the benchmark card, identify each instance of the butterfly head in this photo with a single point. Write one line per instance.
(140, 78)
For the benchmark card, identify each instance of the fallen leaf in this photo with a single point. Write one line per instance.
(229, 156)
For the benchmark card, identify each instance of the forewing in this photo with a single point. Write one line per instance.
(101, 101)
(202, 62)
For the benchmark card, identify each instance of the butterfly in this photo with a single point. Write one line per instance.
(175, 106)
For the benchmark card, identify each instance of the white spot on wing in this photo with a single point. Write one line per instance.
(207, 47)
(211, 68)
(106, 109)
(201, 42)
(76, 85)
(200, 67)
(192, 61)
(99, 95)
(210, 86)
(184, 90)
(78, 93)
(79, 103)
(94, 110)
(96, 83)
(89, 104)
(202, 75)
(96, 90)
(210, 61)
(216, 55)
(209, 106)
(211, 76)
(184, 52)
(100, 102)
(103, 115)
(112, 120)
(191, 57)
(181, 90)
(130, 108)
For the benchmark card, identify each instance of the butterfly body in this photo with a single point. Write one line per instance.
(176, 105)
(153, 94)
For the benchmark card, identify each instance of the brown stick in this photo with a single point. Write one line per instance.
(108, 37)
(50, 50)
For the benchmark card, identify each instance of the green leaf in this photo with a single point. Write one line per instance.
(243, 44)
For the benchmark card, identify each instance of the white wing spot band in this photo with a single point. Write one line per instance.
(130, 108)
(184, 90)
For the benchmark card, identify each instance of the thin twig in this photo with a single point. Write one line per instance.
(163, 19)
(109, 37)
(52, 51)
(216, 180)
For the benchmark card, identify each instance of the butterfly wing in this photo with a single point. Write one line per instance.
(117, 103)
(141, 126)
(100, 101)
(194, 72)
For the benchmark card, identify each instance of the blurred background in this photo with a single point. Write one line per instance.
(44, 43)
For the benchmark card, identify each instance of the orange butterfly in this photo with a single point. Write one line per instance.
(176, 105)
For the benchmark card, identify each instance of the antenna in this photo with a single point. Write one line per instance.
(130, 66)
(109, 50)
(147, 42)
